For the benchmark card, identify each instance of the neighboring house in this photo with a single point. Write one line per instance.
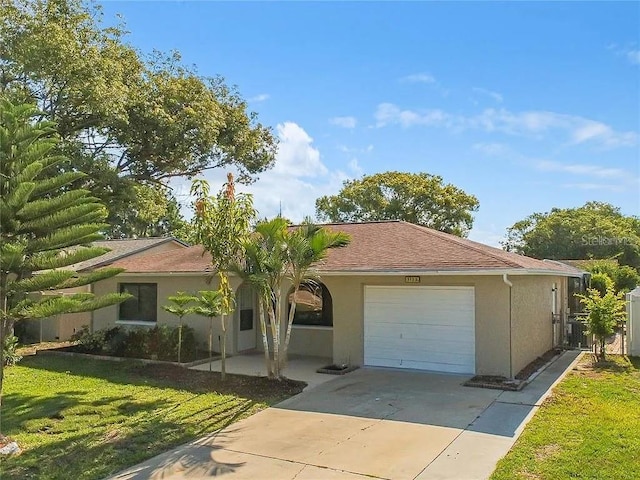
(62, 327)
(399, 295)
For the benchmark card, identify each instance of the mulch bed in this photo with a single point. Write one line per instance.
(255, 388)
(518, 383)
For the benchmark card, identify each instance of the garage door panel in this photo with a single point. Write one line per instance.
(407, 331)
(418, 354)
(429, 328)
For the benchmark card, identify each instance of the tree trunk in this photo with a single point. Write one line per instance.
(223, 348)
(4, 327)
(292, 313)
(179, 339)
(265, 339)
(210, 341)
(276, 341)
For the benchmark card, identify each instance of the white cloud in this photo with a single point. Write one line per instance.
(297, 157)
(528, 123)
(345, 149)
(298, 177)
(260, 98)
(491, 149)
(344, 122)
(594, 186)
(489, 93)
(581, 169)
(355, 168)
(630, 51)
(389, 114)
(419, 78)
(634, 56)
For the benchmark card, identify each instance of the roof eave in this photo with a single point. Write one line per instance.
(488, 271)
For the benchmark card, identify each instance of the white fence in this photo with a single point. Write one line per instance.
(633, 322)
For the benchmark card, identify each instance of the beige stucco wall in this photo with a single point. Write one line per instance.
(528, 329)
(63, 326)
(167, 286)
(532, 332)
(304, 340)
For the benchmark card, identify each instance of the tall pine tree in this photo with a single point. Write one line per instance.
(45, 226)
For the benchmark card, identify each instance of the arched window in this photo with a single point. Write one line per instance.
(313, 305)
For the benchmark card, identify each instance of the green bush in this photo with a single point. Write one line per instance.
(10, 355)
(88, 342)
(160, 342)
(137, 343)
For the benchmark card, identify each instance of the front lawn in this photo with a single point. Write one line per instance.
(85, 419)
(588, 429)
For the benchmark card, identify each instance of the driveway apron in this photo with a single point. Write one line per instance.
(371, 423)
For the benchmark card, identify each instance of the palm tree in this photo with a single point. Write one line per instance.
(179, 308)
(210, 304)
(306, 246)
(252, 269)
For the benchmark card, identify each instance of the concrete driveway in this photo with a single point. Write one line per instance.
(372, 423)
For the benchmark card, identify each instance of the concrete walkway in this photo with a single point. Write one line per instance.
(253, 364)
(372, 423)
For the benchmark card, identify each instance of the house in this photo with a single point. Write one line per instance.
(62, 327)
(399, 295)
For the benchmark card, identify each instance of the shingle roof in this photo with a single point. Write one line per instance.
(376, 247)
(185, 260)
(121, 248)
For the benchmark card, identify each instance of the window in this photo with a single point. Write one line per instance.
(245, 300)
(143, 307)
(313, 305)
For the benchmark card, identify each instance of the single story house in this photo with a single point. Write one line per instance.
(399, 295)
(62, 327)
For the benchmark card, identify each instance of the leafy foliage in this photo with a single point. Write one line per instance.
(594, 231)
(43, 221)
(413, 197)
(179, 308)
(130, 122)
(602, 282)
(161, 342)
(10, 354)
(625, 278)
(274, 253)
(604, 311)
(222, 223)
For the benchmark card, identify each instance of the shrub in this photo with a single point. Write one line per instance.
(160, 342)
(603, 314)
(115, 341)
(137, 343)
(602, 283)
(88, 342)
(10, 354)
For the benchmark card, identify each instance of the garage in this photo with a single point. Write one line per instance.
(424, 328)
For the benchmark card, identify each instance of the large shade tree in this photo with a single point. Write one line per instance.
(418, 198)
(45, 226)
(126, 119)
(595, 230)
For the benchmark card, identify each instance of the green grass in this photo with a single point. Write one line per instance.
(588, 429)
(85, 419)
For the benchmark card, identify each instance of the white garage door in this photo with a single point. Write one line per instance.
(426, 328)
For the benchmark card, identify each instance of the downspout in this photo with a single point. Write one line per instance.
(506, 280)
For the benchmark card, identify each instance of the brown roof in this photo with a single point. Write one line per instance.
(121, 248)
(377, 247)
(191, 259)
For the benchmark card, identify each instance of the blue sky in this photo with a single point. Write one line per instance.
(528, 106)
